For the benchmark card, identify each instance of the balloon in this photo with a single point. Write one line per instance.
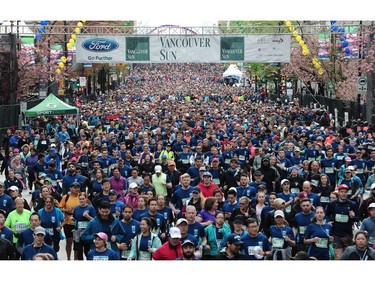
(305, 52)
(333, 21)
(298, 38)
(58, 71)
(288, 23)
(61, 64)
(347, 51)
(69, 45)
(38, 37)
(301, 43)
(341, 30)
(342, 38)
(79, 24)
(295, 33)
(41, 30)
(320, 71)
(63, 59)
(71, 41)
(74, 36)
(152, 105)
(44, 22)
(83, 21)
(304, 48)
(345, 44)
(77, 30)
(291, 28)
(334, 28)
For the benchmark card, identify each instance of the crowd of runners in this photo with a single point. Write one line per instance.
(175, 164)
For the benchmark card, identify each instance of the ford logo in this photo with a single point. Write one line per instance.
(100, 45)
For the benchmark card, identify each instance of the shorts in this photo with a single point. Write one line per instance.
(342, 242)
(68, 230)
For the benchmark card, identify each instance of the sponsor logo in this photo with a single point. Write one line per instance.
(100, 45)
(51, 105)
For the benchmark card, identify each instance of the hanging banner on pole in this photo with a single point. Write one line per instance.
(182, 49)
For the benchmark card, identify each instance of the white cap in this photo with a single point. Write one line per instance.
(233, 188)
(13, 188)
(181, 220)
(157, 169)
(351, 168)
(372, 205)
(279, 213)
(284, 181)
(133, 185)
(175, 232)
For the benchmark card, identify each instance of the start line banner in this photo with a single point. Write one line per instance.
(182, 49)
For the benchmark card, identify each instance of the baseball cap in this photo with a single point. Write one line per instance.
(351, 168)
(238, 219)
(52, 150)
(75, 183)
(343, 186)
(302, 195)
(181, 220)
(233, 188)
(279, 202)
(207, 174)
(102, 236)
(284, 181)
(301, 255)
(257, 173)
(112, 192)
(279, 213)
(157, 169)
(13, 188)
(39, 230)
(234, 239)
(197, 189)
(215, 159)
(265, 159)
(3, 212)
(133, 185)
(174, 232)
(348, 159)
(297, 149)
(187, 242)
(372, 205)
(164, 156)
(202, 169)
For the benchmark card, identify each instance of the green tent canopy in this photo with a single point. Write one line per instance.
(51, 106)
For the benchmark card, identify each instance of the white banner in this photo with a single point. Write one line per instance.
(182, 49)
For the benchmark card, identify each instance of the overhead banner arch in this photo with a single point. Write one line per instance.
(182, 49)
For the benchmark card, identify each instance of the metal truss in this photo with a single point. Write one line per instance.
(304, 29)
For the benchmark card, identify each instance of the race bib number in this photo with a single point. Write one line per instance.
(324, 199)
(288, 208)
(251, 250)
(185, 161)
(82, 224)
(144, 256)
(277, 242)
(100, 258)
(20, 226)
(314, 182)
(340, 157)
(294, 190)
(359, 171)
(371, 240)
(302, 229)
(322, 243)
(311, 159)
(350, 192)
(109, 245)
(218, 243)
(329, 170)
(49, 231)
(216, 181)
(341, 218)
(125, 254)
(241, 157)
(85, 164)
(227, 161)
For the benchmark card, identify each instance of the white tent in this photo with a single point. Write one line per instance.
(24, 30)
(232, 71)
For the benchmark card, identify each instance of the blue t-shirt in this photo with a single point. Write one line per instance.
(251, 242)
(107, 255)
(320, 249)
